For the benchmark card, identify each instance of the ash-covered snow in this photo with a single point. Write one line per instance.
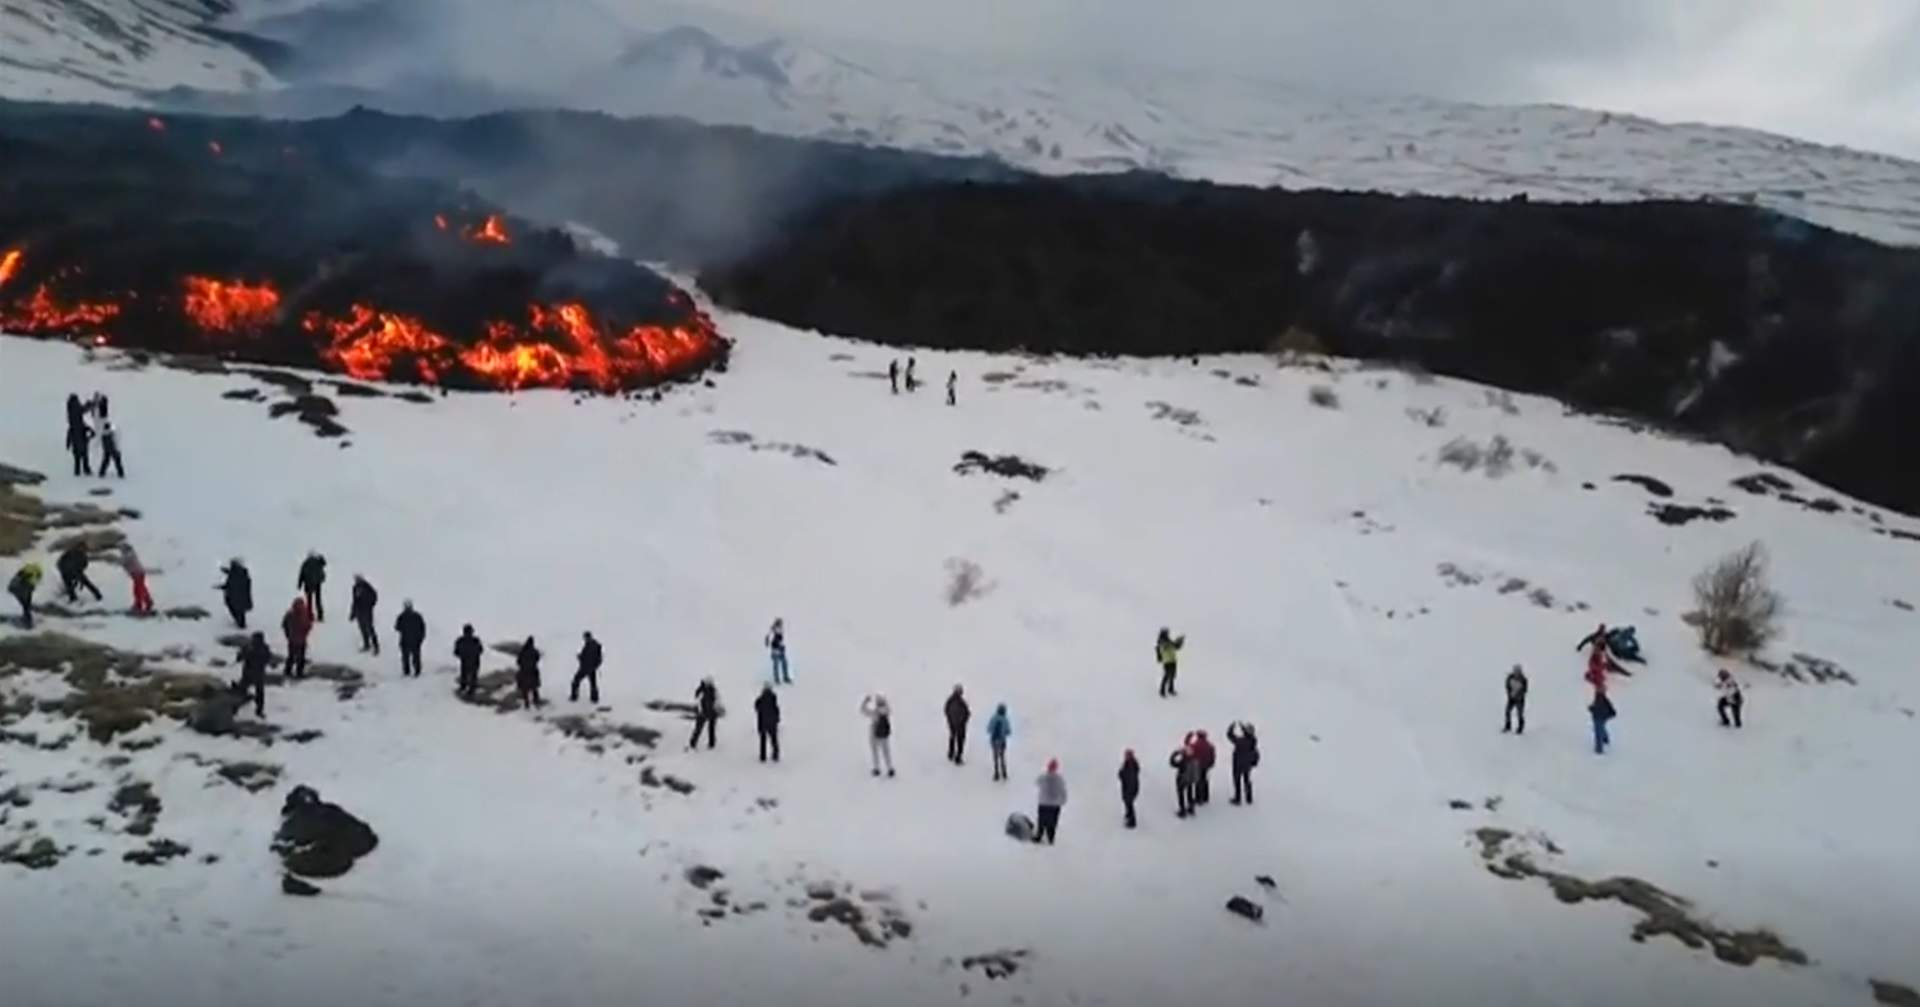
(1296, 547)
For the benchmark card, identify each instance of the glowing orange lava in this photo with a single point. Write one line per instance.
(10, 264)
(218, 306)
(368, 344)
(491, 231)
(44, 314)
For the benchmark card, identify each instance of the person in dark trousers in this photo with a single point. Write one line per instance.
(253, 658)
(777, 652)
(467, 651)
(1731, 699)
(76, 411)
(79, 436)
(1129, 785)
(766, 716)
(1203, 750)
(72, 565)
(1516, 720)
(313, 576)
(237, 590)
(411, 628)
(912, 382)
(110, 451)
(297, 624)
(706, 713)
(1166, 650)
(958, 713)
(526, 677)
(1602, 711)
(999, 729)
(1052, 795)
(1246, 755)
(1185, 772)
(893, 375)
(590, 658)
(952, 377)
(25, 580)
(361, 612)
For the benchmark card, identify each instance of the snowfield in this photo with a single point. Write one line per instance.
(1300, 549)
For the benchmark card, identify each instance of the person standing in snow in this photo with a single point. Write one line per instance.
(467, 651)
(1166, 650)
(237, 590)
(98, 405)
(361, 612)
(1052, 789)
(1602, 711)
(999, 729)
(1731, 699)
(1516, 702)
(79, 437)
(72, 565)
(1599, 659)
(912, 382)
(297, 624)
(766, 717)
(1246, 755)
(777, 652)
(1129, 785)
(880, 718)
(411, 628)
(958, 713)
(110, 450)
(591, 658)
(706, 713)
(526, 677)
(1203, 751)
(253, 658)
(137, 573)
(313, 576)
(22, 586)
(952, 397)
(76, 415)
(1186, 771)
(893, 375)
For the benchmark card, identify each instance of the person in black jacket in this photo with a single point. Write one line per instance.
(72, 566)
(1516, 701)
(412, 630)
(1246, 755)
(254, 657)
(313, 576)
(958, 713)
(527, 678)
(1129, 785)
(237, 589)
(590, 658)
(79, 436)
(893, 374)
(766, 712)
(467, 651)
(364, 599)
(110, 451)
(1186, 772)
(706, 715)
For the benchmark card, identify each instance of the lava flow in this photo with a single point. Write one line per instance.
(492, 231)
(10, 264)
(44, 314)
(217, 306)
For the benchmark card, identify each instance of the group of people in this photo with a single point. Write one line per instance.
(1605, 649)
(72, 565)
(895, 373)
(82, 414)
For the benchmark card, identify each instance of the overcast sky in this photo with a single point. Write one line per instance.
(1840, 71)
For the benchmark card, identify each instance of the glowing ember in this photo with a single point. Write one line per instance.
(374, 345)
(42, 313)
(491, 231)
(440, 221)
(156, 124)
(10, 264)
(214, 145)
(217, 306)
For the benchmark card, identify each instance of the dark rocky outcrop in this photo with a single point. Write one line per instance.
(320, 840)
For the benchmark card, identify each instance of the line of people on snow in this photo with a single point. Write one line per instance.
(894, 374)
(82, 415)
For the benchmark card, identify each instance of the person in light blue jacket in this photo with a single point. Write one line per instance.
(999, 729)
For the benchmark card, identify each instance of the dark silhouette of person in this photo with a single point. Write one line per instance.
(590, 659)
(467, 651)
(766, 713)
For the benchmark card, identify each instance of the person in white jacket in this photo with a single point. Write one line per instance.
(1053, 796)
(1730, 699)
(879, 731)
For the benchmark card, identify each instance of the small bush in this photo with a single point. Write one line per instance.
(1435, 417)
(1502, 401)
(1739, 611)
(1323, 396)
(1295, 343)
(965, 581)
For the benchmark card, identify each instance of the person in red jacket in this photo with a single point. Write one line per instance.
(297, 624)
(1203, 751)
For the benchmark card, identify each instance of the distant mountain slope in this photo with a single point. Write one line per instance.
(114, 51)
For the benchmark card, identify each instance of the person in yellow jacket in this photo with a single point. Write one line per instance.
(22, 586)
(1166, 650)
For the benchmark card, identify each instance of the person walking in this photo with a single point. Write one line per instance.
(880, 723)
(110, 450)
(952, 396)
(958, 713)
(1731, 699)
(1052, 789)
(526, 677)
(237, 590)
(1129, 785)
(297, 625)
(590, 657)
(777, 652)
(1186, 770)
(766, 717)
(411, 628)
(137, 573)
(361, 612)
(22, 585)
(706, 713)
(254, 658)
(1516, 719)
(313, 576)
(72, 565)
(912, 382)
(1246, 755)
(1166, 650)
(1602, 711)
(999, 729)
(893, 375)
(467, 650)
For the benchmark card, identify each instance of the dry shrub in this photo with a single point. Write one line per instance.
(1435, 417)
(1739, 611)
(1293, 344)
(1323, 396)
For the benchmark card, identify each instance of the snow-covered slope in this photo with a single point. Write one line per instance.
(115, 51)
(1354, 599)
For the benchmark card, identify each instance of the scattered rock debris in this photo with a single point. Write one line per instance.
(1649, 483)
(1888, 992)
(996, 964)
(1244, 907)
(1682, 514)
(747, 440)
(136, 802)
(1010, 466)
(157, 852)
(702, 877)
(1806, 668)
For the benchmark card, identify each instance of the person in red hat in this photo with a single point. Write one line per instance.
(1053, 797)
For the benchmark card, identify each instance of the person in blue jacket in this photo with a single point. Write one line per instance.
(999, 729)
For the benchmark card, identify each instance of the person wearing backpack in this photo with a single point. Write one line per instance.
(879, 731)
(999, 729)
(1246, 755)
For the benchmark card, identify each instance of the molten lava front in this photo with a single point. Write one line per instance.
(216, 306)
